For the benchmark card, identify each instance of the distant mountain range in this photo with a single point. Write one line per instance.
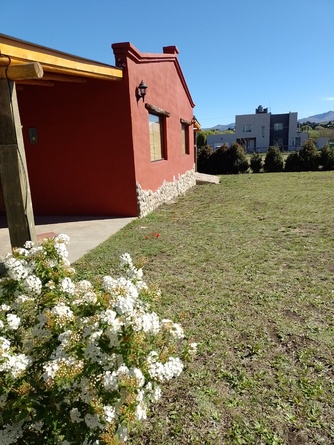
(221, 127)
(317, 118)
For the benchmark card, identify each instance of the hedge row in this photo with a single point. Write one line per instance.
(232, 160)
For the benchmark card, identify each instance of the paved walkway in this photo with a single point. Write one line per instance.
(85, 232)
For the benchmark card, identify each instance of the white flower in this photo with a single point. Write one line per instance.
(50, 370)
(84, 285)
(62, 238)
(5, 307)
(141, 412)
(15, 364)
(62, 312)
(162, 372)
(125, 260)
(75, 416)
(67, 285)
(22, 299)
(28, 244)
(32, 284)
(61, 250)
(177, 331)
(16, 269)
(193, 348)
(110, 380)
(124, 305)
(92, 421)
(121, 286)
(109, 317)
(136, 372)
(11, 433)
(65, 337)
(109, 413)
(156, 394)
(13, 321)
(151, 323)
(4, 344)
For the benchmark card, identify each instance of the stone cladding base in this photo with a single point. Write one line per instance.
(149, 200)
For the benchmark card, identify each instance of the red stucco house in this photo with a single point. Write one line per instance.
(93, 145)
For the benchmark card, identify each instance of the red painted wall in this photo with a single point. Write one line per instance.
(166, 90)
(93, 137)
(83, 162)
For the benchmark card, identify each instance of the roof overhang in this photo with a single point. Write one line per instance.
(15, 51)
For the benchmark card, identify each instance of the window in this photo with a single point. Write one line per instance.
(278, 126)
(247, 128)
(185, 136)
(263, 130)
(156, 127)
(296, 141)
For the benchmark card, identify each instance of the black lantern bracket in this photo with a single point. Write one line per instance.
(141, 91)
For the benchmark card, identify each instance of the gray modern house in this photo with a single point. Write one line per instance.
(257, 132)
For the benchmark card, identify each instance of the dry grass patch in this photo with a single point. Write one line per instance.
(247, 267)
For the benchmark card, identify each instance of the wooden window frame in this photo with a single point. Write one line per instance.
(162, 115)
(185, 145)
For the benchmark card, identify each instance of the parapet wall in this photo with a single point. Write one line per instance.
(149, 200)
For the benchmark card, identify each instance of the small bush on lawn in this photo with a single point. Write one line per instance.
(78, 364)
(256, 162)
(219, 160)
(237, 160)
(204, 164)
(274, 160)
(327, 158)
(309, 157)
(292, 163)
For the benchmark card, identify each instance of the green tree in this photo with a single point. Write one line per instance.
(256, 162)
(309, 156)
(327, 158)
(237, 159)
(274, 160)
(219, 160)
(204, 160)
(292, 162)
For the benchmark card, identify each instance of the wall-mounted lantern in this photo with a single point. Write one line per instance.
(141, 90)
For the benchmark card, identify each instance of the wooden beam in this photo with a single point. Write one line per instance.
(64, 78)
(13, 169)
(32, 70)
(56, 61)
(40, 83)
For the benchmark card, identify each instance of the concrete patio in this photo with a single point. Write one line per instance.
(85, 233)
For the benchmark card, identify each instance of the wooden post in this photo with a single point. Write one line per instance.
(13, 169)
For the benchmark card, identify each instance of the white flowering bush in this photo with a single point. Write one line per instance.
(79, 364)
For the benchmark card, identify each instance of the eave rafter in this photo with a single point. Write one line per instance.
(17, 51)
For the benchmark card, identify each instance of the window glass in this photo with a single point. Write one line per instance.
(278, 126)
(185, 138)
(247, 128)
(156, 137)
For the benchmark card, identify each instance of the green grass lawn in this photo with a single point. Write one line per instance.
(247, 267)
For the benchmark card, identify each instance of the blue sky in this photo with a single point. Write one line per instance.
(234, 54)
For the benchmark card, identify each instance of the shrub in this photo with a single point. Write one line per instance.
(292, 163)
(204, 164)
(256, 163)
(327, 158)
(78, 364)
(219, 160)
(274, 160)
(236, 159)
(309, 157)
